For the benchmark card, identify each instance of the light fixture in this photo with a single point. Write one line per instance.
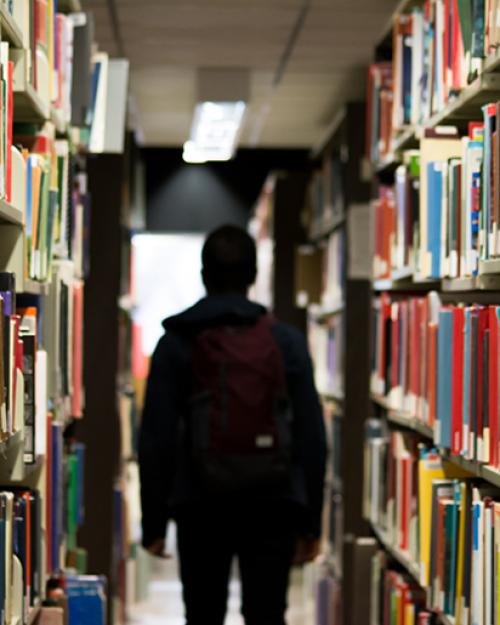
(214, 132)
(218, 116)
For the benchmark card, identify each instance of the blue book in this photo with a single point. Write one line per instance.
(434, 206)
(407, 76)
(57, 492)
(452, 578)
(467, 377)
(86, 600)
(445, 342)
(79, 450)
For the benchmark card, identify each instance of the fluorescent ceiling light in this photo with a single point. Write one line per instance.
(214, 132)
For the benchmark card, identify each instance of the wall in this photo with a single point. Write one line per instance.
(197, 198)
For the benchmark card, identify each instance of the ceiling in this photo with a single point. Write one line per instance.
(167, 40)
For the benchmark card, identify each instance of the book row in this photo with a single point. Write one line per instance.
(40, 361)
(53, 198)
(54, 56)
(444, 522)
(326, 342)
(438, 48)
(325, 198)
(26, 515)
(441, 216)
(395, 597)
(439, 364)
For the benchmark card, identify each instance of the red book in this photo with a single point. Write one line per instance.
(475, 129)
(414, 354)
(395, 327)
(446, 49)
(41, 22)
(483, 322)
(423, 346)
(403, 590)
(440, 549)
(378, 233)
(432, 371)
(10, 110)
(457, 380)
(27, 572)
(493, 385)
(403, 315)
(385, 315)
(457, 47)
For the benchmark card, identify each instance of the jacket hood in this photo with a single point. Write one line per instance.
(214, 310)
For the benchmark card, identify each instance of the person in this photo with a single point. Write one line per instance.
(267, 528)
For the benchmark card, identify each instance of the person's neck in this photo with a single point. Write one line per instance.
(222, 293)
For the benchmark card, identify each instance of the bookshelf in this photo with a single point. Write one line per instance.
(9, 29)
(44, 216)
(336, 292)
(429, 457)
(10, 214)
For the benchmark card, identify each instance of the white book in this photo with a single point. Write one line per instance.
(417, 66)
(41, 403)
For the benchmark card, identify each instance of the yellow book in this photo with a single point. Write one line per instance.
(460, 555)
(410, 615)
(430, 467)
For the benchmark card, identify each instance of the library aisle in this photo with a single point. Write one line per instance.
(349, 152)
(164, 603)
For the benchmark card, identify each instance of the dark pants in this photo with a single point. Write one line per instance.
(262, 537)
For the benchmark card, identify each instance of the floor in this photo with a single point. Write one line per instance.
(164, 603)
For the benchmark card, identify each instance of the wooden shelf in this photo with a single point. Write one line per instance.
(467, 105)
(33, 615)
(485, 472)
(339, 399)
(35, 288)
(487, 267)
(32, 468)
(411, 423)
(322, 314)
(400, 556)
(10, 30)
(29, 106)
(13, 441)
(10, 215)
(413, 571)
(57, 119)
(326, 227)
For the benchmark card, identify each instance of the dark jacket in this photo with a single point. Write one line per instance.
(167, 482)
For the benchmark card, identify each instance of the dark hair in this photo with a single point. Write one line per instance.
(229, 260)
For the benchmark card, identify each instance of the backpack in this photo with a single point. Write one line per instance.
(239, 415)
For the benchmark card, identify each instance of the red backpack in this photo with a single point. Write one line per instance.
(240, 418)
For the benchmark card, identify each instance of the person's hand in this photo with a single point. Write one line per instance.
(157, 549)
(307, 549)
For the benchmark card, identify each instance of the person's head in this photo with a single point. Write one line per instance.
(229, 260)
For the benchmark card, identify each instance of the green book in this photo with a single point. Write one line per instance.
(465, 17)
(51, 229)
(450, 525)
(43, 215)
(72, 507)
